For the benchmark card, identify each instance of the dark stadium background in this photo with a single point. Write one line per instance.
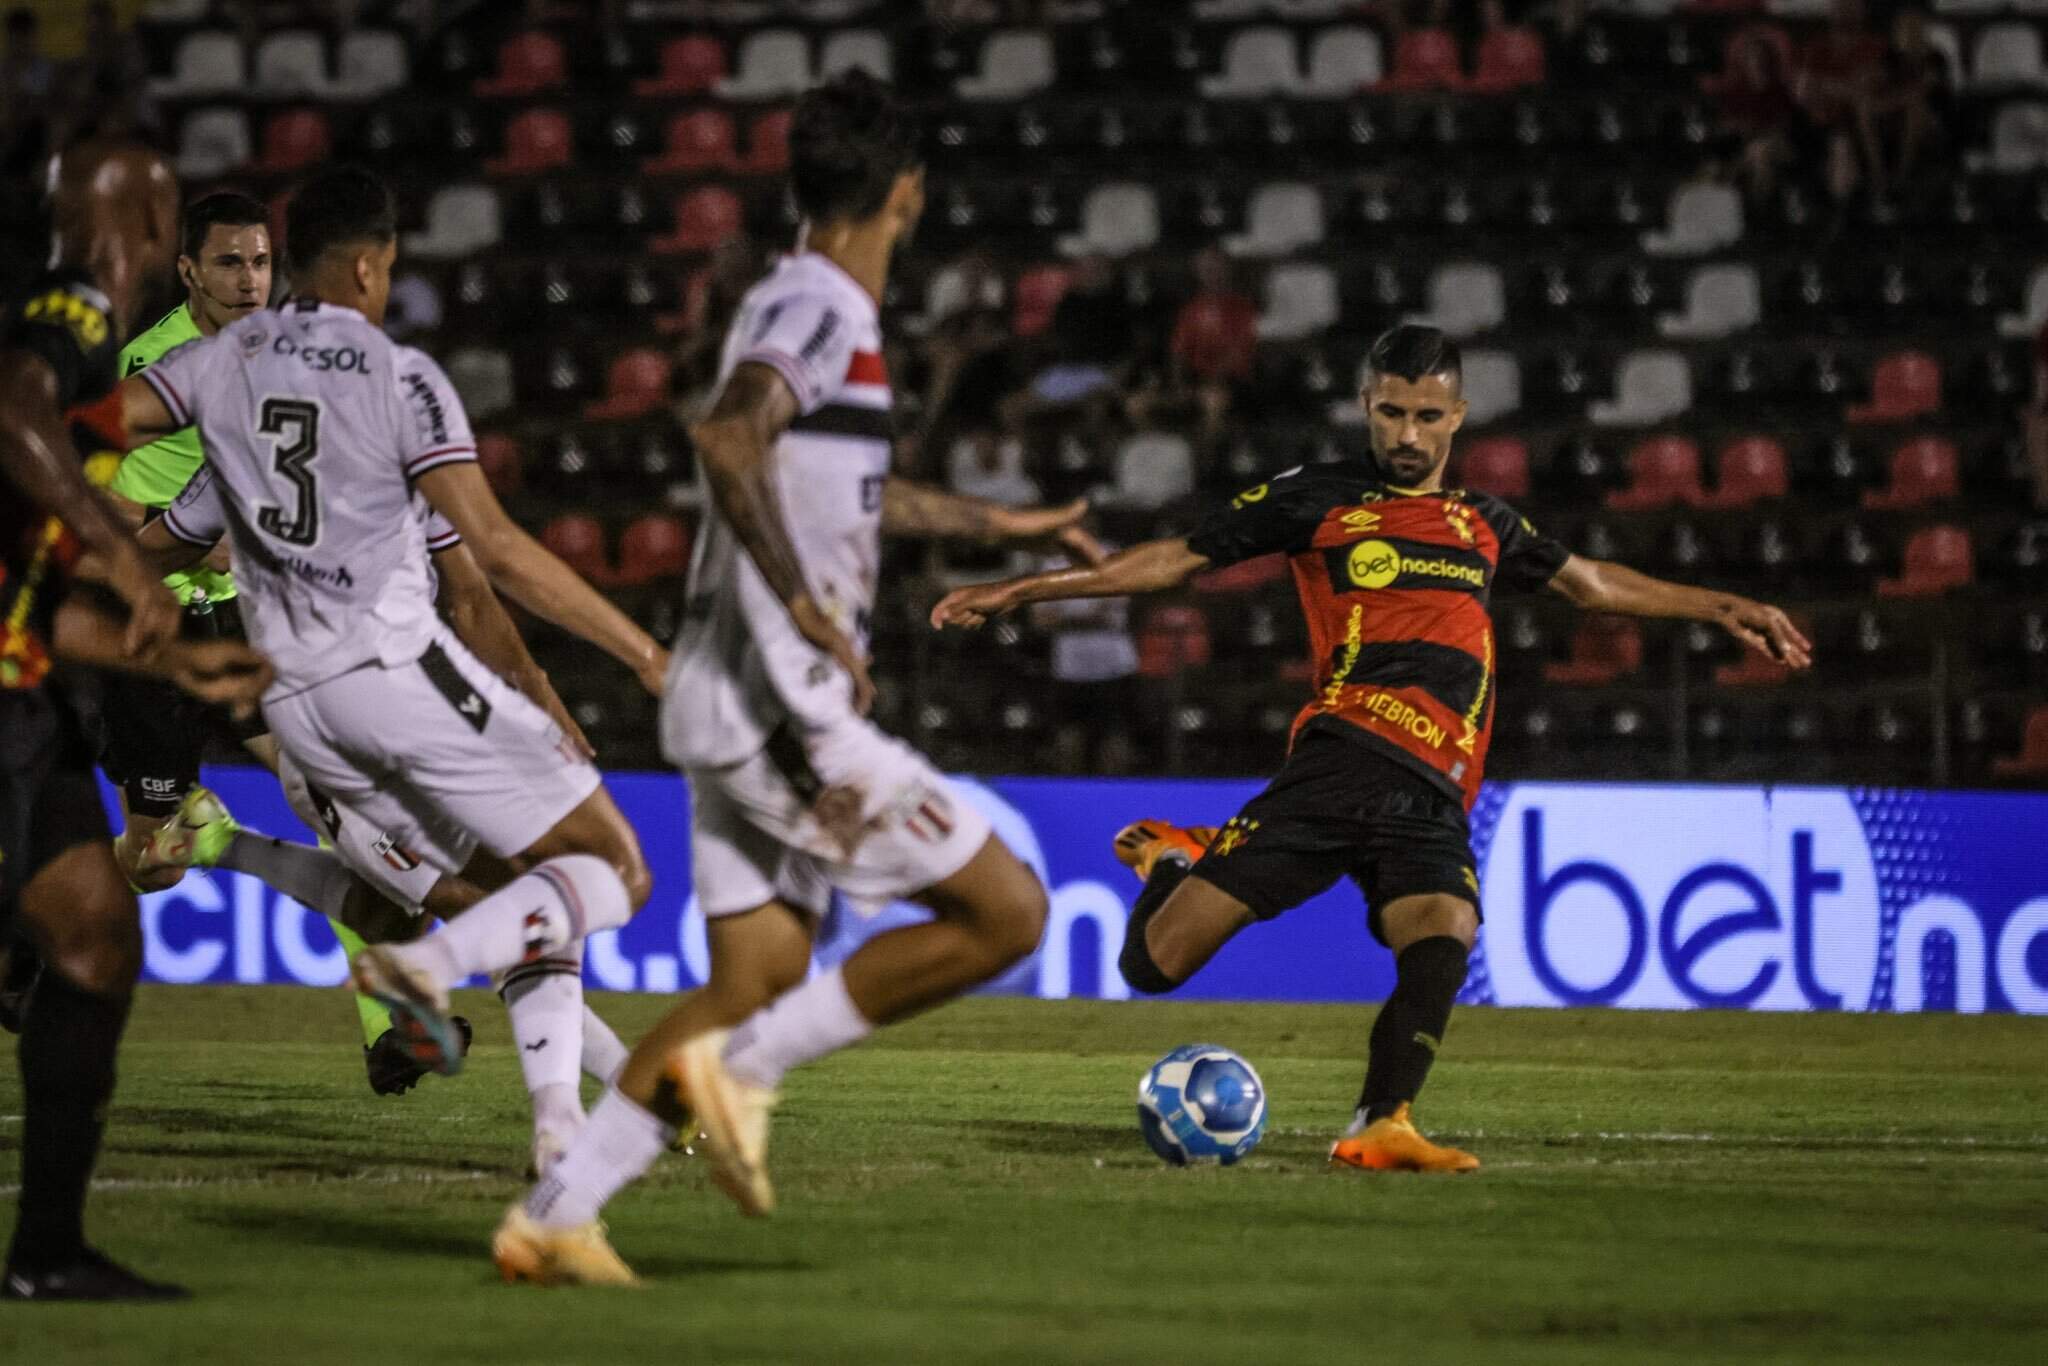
(1749, 295)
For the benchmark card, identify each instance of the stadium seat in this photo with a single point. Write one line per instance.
(529, 63)
(768, 144)
(1904, 385)
(371, 62)
(535, 140)
(1923, 470)
(1301, 301)
(1661, 470)
(1281, 219)
(414, 306)
(169, 12)
(1752, 468)
(705, 217)
(2019, 137)
(577, 540)
(1466, 298)
(635, 385)
(1937, 559)
(689, 66)
(2034, 315)
(1037, 294)
(1703, 218)
(1493, 385)
(498, 456)
(482, 375)
(1649, 386)
(653, 546)
(1498, 465)
(1604, 648)
(773, 64)
(1342, 62)
(1753, 669)
(1719, 300)
(1258, 63)
(294, 140)
(1014, 63)
(212, 142)
(862, 49)
(2007, 55)
(1510, 59)
(2032, 759)
(1424, 59)
(1173, 638)
(1151, 470)
(1116, 219)
(291, 65)
(207, 63)
(701, 140)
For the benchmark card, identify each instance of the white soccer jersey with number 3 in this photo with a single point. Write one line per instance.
(315, 424)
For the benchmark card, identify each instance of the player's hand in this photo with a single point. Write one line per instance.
(551, 703)
(1053, 528)
(1766, 629)
(824, 634)
(153, 614)
(225, 672)
(973, 605)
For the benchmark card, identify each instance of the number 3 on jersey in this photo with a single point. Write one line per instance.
(295, 422)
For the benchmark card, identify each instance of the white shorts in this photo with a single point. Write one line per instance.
(437, 756)
(754, 840)
(401, 872)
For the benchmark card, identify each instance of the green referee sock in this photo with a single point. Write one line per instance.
(376, 1019)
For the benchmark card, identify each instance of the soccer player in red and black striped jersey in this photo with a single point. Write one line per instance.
(1396, 574)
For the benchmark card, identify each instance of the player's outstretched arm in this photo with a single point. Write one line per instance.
(1146, 568)
(39, 459)
(919, 510)
(226, 672)
(735, 442)
(479, 619)
(1604, 586)
(534, 578)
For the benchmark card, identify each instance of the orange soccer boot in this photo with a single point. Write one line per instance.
(1140, 844)
(1393, 1144)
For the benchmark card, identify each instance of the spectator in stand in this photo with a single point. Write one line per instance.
(1092, 336)
(1095, 665)
(1912, 105)
(1217, 330)
(986, 464)
(1763, 128)
(1839, 69)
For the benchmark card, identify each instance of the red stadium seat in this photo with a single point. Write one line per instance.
(701, 140)
(1752, 468)
(1905, 384)
(528, 64)
(1037, 295)
(689, 66)
(578, 541)
(535, 140)
(2032, 760)
(1424, 59)
(294, 140)
(655, 546)
(1937, 559)
(1498, 465)
(1174, 638)
(1661, 470)
(636, 385)
(705, 217)
(1924, 470)
(1509, 59)
(498, 454)
(768, 144)
(1604, 648)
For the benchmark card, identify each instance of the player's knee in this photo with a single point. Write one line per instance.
(98, 948)
(1137, 965)
(1013, 933)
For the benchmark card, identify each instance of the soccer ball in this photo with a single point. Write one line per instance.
(1202, 1103)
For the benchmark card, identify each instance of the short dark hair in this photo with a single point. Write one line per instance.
(848, 141)
(1413, 350)
(223, 208)
(335, 208)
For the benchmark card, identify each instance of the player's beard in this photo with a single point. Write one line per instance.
(1405, 466)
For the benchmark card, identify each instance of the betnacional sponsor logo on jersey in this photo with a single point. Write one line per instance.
(1375, 564)
(1647, 896)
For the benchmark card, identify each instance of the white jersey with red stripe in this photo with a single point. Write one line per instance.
(315, 426)
(741, 671)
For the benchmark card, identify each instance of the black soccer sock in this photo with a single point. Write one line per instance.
(1410, 1027)
(1135, 962)
(68, 1043)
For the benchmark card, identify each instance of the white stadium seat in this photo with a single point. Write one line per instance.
(1152, 469)
(2007, 54)
(207, 63)
(1257, 62)
(1466, 298)
(1014, 63)
(482, 375)
(213, 142)
(1703, 218)
(1116, 220)
(2019, 137)
(1718, 300)
(371, 62)
(461, 219)
(176, 11)
(773, 64)
(1650, 386)
(1492, 385)
(290, 64)
(1282, 218)
(1301, 300)
(1343, 61)
(862, 49)
(2030, 319)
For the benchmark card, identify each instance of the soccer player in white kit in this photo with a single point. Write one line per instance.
(793, 791)
(321, 434)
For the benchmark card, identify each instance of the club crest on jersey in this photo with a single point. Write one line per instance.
(1233, 836)
(1459, 517)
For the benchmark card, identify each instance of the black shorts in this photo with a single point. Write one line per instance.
(153, 734)
(1341, 809)
(49, 800)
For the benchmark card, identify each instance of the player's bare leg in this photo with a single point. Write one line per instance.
(1431, 937)
(79, 912)
(1180, 921)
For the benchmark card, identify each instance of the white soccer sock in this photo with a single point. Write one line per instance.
(603, 1051)
(556, 904)
(545, 1000)
(315, 878)
(803, 1023)
(617, 1144)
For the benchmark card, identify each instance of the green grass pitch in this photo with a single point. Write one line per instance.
(972, 1188)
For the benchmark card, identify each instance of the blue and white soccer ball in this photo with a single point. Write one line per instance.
(1202, 1103)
